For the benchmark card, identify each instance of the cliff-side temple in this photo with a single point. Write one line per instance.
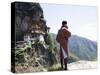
(29, 20)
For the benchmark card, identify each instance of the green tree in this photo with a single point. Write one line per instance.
(51, 49)
(50, 42)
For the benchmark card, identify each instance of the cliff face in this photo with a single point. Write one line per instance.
(31, 36)
(28, 17)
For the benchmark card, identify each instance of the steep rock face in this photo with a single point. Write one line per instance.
(28, 17)
(31, 33)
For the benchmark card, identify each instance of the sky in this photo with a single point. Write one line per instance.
(82, 20)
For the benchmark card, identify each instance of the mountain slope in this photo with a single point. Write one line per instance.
(82, 48)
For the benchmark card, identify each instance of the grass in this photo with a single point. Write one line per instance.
(55, 67)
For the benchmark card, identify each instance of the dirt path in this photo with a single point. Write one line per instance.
(83, 65)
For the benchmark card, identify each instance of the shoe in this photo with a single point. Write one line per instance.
(65, 69)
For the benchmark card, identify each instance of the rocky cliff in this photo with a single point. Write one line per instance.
(28, 18)
(34, 45)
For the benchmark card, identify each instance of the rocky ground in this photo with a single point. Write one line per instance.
(79, 65)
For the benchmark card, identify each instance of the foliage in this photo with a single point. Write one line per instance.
(72, 58)
(50, 42)
(55, 67)
(20, 53)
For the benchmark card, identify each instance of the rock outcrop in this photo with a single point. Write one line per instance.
(32, 37)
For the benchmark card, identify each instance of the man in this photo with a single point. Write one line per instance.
(62, 39)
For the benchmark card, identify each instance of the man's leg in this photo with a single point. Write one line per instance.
(61, 58)
(65, 63)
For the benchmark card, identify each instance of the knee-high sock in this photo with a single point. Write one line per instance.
(65, 63)
(61, 60)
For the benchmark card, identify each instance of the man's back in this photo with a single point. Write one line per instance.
(63, 35)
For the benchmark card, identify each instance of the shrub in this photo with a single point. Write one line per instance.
(72, 58)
